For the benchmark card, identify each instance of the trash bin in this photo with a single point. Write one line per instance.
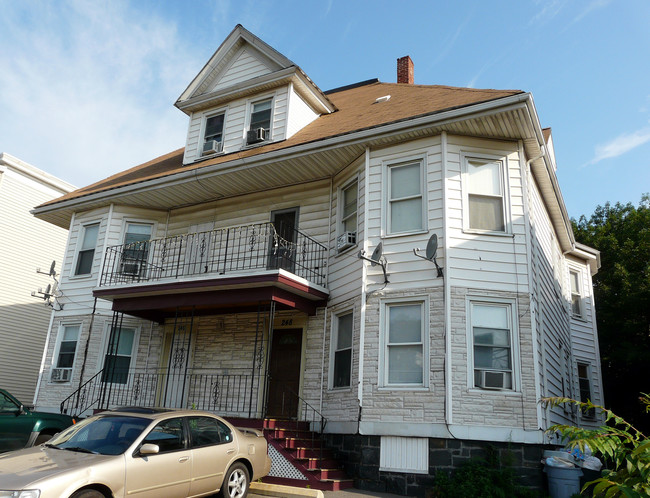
(563, 482)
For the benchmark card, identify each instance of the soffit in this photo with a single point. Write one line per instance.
(256, 173)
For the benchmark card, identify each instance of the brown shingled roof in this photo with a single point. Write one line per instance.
(357, 110)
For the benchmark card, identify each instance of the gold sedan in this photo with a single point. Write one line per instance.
(143, 453)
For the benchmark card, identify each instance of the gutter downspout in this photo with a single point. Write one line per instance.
(526, 174)
(329, 237)
(42, 368)
(362, 313)
(446, 289)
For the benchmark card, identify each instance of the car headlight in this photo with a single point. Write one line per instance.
(25, 493)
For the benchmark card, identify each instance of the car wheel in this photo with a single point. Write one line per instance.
(235, 485)
(42, 438)
(88, 493)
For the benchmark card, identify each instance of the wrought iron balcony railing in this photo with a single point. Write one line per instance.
(237, 249)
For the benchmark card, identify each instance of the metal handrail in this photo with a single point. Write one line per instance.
(226, 391)
(253, 247)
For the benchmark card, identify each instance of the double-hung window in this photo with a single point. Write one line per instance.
(213, 134)
(486, 203)
(404, 344)
(584, 382)
(86, 252)
(492, 341)
(405, 197)
(119, 354)
(67, 350)
(576, 294)
(348, 218)
(260, 121)
(342, 350)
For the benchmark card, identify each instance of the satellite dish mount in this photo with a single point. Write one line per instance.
(431, 250)
(375, 259)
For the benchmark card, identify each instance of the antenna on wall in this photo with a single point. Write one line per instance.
(51, 289)
(431, 250)
(376, 258)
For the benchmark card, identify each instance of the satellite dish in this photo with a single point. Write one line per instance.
(432, 247)
(48, 289)
(376, 255)
(52, 266)
(376, 259)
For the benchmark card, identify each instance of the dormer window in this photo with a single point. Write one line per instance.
(260, 122)
(213, 136)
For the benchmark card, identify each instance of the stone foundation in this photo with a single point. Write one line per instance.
(360, 457)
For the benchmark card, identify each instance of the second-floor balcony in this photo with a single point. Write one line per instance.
(248, 256)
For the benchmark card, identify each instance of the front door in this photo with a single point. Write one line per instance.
(284, 373)
(282, 252)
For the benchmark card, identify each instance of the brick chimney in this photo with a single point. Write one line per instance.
(405, 70)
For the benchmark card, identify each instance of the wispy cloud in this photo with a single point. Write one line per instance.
(621, 145)
(548, 10)
(95, 97)
(590, 7)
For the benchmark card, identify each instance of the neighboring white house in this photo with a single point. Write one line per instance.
(26, 244)
(393, 263)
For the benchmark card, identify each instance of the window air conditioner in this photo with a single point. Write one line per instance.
(345, 240)
(130, 268)
(212, 146)
(491, 380)
(61, 374)
(255, 136)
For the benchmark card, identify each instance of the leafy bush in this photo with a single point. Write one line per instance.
(618, 442)
(480, 478)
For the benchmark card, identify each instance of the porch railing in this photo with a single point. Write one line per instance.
(235, 249)
(229, 392)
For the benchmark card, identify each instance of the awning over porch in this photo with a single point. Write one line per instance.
(217, 295)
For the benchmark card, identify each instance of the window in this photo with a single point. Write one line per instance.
(206, 431)
(136, 248)
(342, 350)
(213, 135)
(584, 383)
(492, 345)
(485, 195)
(67, 346)
(404, 350)
(576, 295)
(168, 435)
(348, 216)
(405, 198)
(87, 250)
(260, 122)
(118, 355)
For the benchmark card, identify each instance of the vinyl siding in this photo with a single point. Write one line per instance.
(299, 114)
(245, 65)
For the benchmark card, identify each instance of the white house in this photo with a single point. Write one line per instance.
(26, 244)
(391, 263)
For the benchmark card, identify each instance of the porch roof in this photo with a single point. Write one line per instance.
(215, 295)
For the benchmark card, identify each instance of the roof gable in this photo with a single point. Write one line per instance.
(240, 50)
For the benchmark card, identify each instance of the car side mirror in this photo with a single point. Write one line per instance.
(149, 449)
(21, 410)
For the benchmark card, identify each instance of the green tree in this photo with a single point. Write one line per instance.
(622, 292)
(625, 449)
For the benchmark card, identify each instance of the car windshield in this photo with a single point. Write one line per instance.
(104, 435)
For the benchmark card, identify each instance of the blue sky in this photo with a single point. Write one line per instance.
(87, 88)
